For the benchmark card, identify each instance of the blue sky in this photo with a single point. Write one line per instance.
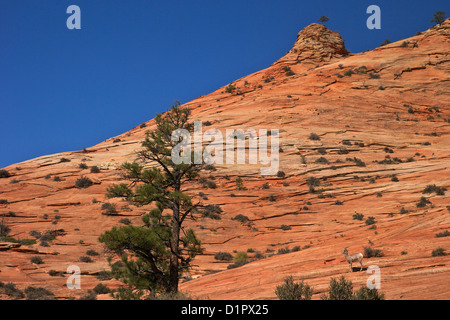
(63, 90)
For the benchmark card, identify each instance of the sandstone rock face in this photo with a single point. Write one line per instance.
(316, 44)
(382, 122)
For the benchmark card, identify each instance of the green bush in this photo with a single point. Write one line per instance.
(95, 169)
(339, 290)
(241, 218)
(38, 293)
(358, 216)
(10, 290)
(442, 234)
(293, 291)
(322, 160)
(370, 220)
(230, 88)
(241, 257)
(110, 208)
(103, 275)
(82, 166)
(85, 259)
(83, 183)
(438, 252)
(92, 253)
(36, 260)
(212, 211)
(281, 174)
(4, 173)
(223, 256)
(101, 289)
(314, 136)
(433, 188)
(370, 252)
(423, 202)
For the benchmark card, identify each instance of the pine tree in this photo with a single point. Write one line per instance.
(323, 19)
(155, 255)
(438, 17)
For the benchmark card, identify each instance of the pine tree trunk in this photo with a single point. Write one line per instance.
(174, 261)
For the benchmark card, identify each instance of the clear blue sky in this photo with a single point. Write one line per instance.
(63, 90)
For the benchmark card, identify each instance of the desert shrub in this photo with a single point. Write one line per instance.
(285, 227)
(36, 260)
(82, 166)
(423, 202)
(322, 160)
(339, 290)
(54, 273)
(342, 150)
(211, 184)
(83, 183)
(358, 216)
(343, 290)
(230, 88)
(4, 229)
(271, 198)
(240, 257)
(240, 184)
(265, 186)
(434, 188)
(438, 252)
(364, 293)
(359, 162)
(241, 218)
(38, 293)
(3, 201)
(210, 167)
(92, 253)
(125, 221)
(442, 234)
(4, 173)
(387, 41)
(313, 182)
(370, 220)
(346, 142)
(403, 210)
(103, 275)
(370, 252)
(85, 259)
(283, 250)
(212, 211)
(27, 242)
(64, 160)
(10, 290)
(223, 256)
(101, 289)
(293, 291)
(95, 169)
(110, 208)
(322, 151)
(314, 136)
(281, 174)
(338, 203)
(91, 295)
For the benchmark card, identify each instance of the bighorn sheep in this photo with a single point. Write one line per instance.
(353, 257)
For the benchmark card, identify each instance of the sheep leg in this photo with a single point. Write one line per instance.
(350, 267)
(360, 261)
